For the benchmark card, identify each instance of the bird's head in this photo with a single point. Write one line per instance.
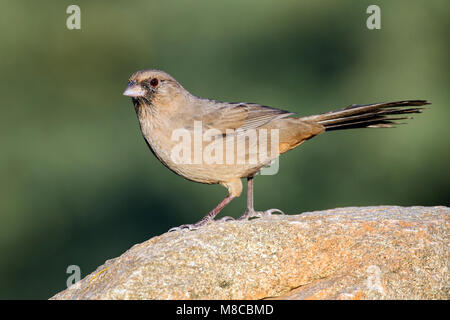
(148, 85)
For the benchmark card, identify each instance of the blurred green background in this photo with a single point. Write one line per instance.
(78, 184)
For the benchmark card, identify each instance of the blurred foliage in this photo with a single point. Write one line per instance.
(78, 184)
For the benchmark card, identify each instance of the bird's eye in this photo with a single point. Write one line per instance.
(154, 82)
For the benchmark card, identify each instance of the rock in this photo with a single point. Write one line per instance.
(347, 253)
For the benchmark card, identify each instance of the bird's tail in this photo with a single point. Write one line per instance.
(377, 115)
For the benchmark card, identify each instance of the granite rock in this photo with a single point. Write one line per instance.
(385, 252)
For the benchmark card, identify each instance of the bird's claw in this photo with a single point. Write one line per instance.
(259, 214)
(247, 215)
(197, 225)
(185, 227)
(269, 212)
(224, 219)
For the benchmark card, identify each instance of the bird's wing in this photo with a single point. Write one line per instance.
(241, 116)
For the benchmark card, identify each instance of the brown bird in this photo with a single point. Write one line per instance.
(225, 142)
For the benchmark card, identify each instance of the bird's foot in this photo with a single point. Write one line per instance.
(197, 225)
(193, 226)
(258, 214)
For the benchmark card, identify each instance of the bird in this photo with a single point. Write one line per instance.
(167, 112)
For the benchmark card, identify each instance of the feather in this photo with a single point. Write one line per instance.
(375, 115)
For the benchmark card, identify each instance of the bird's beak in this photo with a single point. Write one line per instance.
(134, 90)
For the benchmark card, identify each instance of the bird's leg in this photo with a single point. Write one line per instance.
(210, 216)
(250, 211)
